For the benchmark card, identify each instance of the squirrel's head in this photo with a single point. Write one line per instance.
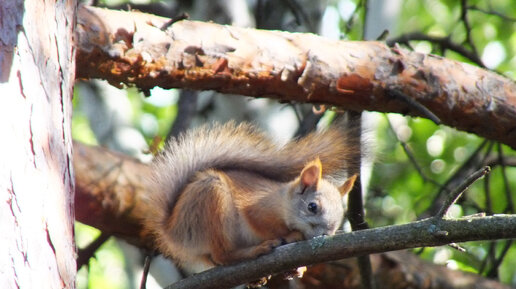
(316, 205)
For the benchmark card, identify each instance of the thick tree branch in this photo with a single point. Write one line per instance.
(130, 48)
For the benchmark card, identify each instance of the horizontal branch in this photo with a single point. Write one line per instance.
(425, 233)
(131, 48)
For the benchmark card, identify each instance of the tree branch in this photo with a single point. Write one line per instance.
(413, 235)
(457, 192)
(297, 67)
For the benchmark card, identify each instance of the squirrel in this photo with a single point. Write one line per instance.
(227, 193)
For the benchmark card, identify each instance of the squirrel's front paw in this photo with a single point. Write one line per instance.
(267, 246)
(293, 237)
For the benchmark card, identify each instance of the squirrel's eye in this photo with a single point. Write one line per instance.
(312, 207)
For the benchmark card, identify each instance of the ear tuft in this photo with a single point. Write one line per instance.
(348, 185)
(312, 173)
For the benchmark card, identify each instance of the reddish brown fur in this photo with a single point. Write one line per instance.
(236, 205)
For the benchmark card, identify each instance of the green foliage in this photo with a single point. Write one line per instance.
(106, 270)
(155, 114)
(81, 130)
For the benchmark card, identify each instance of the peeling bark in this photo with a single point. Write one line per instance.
(130, 48)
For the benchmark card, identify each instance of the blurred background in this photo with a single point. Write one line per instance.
(412, 162)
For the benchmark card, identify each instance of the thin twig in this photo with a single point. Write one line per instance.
(444, 42)
(457, 247)
(396, 93)
(490, 256)
(297, 111)
(455, 194)
(182, 16)
(86, 253)
(508, 193)
(146, 267)
(300, 14)
(467, 168)
(308, 124)
(487, 191)
(491, 12)
(411, 156)
(493, 161)
(352, 18)
(467, 27)
(383, 36)
(493, 272)
(365, 4)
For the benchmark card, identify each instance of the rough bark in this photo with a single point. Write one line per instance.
(428, 232)
(130, 48)
(37, 62)
(110, 196)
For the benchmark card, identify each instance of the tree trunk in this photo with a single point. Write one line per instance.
(37, 62)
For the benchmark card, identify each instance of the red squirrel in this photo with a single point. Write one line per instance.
(227, 193)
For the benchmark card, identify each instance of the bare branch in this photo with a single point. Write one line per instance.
(493, 272)
(85, 254)
(467, 26)
(411, 157)
(468, 167)
(413, 235)
(492, 12)
(292, 67)
(508, 194)
(457, 192)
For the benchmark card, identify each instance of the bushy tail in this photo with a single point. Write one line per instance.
(244, 147)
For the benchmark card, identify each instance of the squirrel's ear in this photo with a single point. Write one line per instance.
(311, 173)
(348, 184)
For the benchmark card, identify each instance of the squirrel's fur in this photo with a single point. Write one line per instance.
(227, 192)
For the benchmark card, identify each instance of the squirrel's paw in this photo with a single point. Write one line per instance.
(293, 237)
(267, 246)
